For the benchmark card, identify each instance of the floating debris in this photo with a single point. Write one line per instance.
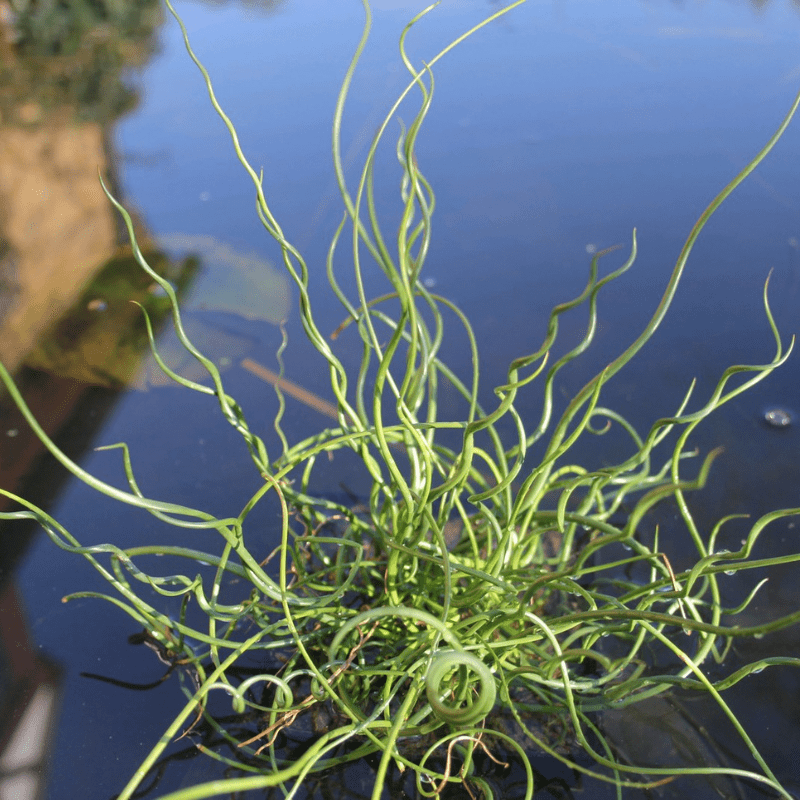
(778, 417)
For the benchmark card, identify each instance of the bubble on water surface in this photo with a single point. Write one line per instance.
(777, 417)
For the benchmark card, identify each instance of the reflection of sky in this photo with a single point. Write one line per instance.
(560, 124)
(559, 127)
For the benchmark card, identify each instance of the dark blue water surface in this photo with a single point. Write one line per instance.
(553, 133)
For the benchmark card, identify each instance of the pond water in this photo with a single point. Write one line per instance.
(553, 133)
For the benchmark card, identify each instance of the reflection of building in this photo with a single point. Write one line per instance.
(61, 68)
(29, 694)
(30, 684)
(64, 280)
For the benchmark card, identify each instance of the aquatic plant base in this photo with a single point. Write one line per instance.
(476, 609)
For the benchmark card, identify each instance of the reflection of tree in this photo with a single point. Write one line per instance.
(758, 5)
(256, 6)
(102, 339)
(62, 69)
(58, 54)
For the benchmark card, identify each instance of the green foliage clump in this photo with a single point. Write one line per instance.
(471, 595)
(71, 56)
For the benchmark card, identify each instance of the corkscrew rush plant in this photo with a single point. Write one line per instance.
(472, 593)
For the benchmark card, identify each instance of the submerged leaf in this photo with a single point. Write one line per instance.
(237, 283)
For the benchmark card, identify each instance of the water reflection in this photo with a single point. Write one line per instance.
(67, 325)
(30, 687)
(62, 84)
